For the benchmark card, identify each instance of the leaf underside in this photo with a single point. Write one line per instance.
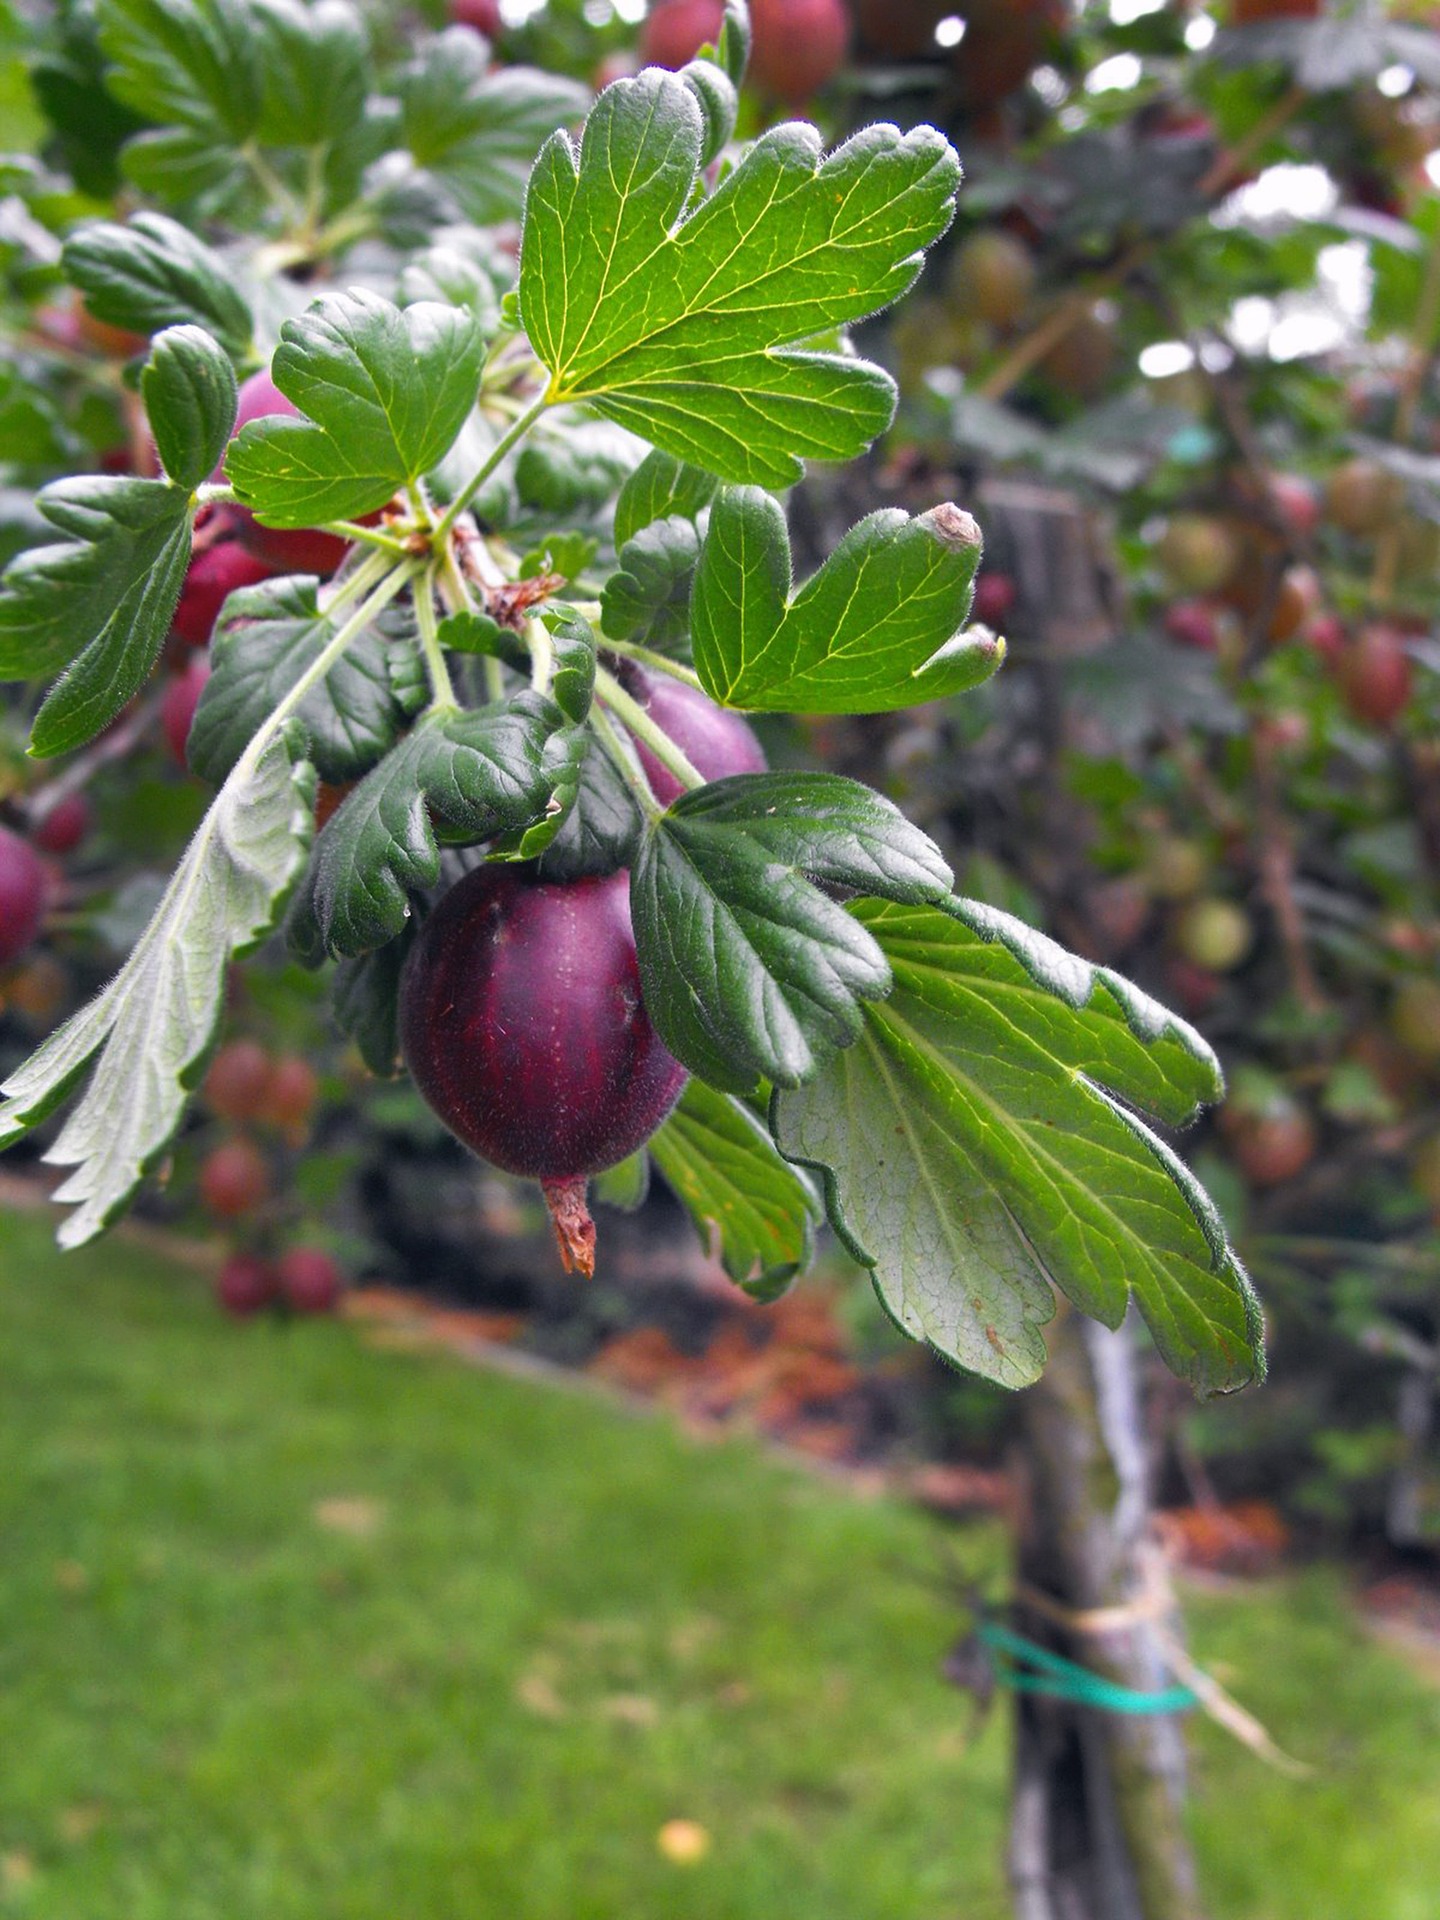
(760, 1212)
(154, 1024)
(978, 1143)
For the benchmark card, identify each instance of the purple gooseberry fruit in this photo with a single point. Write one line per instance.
(245, 1284)
(62, 827)
(522, 1025)
(713, 739)
(309, 1280)
(24, 890)
(178, 704)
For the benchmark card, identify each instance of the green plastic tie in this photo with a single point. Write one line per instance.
(1051, 1673)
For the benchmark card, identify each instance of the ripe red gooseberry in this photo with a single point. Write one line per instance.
(61, 828)
(234, 1179)
(215, 573)
(310, 1281)
(178, 704)
(675, 31)
(24, 888)
(798, 46)
(238, 1081)
(245, 1284)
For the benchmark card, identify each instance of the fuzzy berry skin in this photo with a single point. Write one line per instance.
(24, 889)
(214, 575)
(522, 1025)
(714, 740)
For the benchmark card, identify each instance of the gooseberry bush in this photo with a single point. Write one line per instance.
(486, 536)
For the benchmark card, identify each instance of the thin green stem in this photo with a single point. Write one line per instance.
(623, 755)
(456, 590)
(214, 493)
(647, 657)
(441, 685)
(372, 568)
(395, 579)
(367, 536)
(644, 728)
(497, 453)
(278, 191)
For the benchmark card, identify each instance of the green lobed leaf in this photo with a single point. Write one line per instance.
(736, 1188)
(314, 71)
(365, 995)
(189, 389)
(570, 464)
(185, 63)
(647, 599)
(153, 273)
(975, 1149)
(626, 1185)
(98, 606)
(387, 390)
(449, 274)
(681, 324)
(471, 632)
(154, 1024)
(601, 831)
(877, 627)
(749, 972)
(659, 486)
(478, 130)
(718, 99)
(265, 638)
(192, 167)
(477, 773)
(572, 677)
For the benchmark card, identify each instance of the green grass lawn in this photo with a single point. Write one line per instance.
(292, 1627)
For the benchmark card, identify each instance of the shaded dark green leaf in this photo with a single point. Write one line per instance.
(185, 63)
(98, 606)
(749, 971)
(475, 774)
(601, 832)
(648, 599)
(479, 130)
(189, 390)
(265, 638)
(153, 273)
(745, 1200)
(365, 995)
(659, 486)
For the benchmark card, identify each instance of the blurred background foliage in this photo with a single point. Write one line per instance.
(1178, 355)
